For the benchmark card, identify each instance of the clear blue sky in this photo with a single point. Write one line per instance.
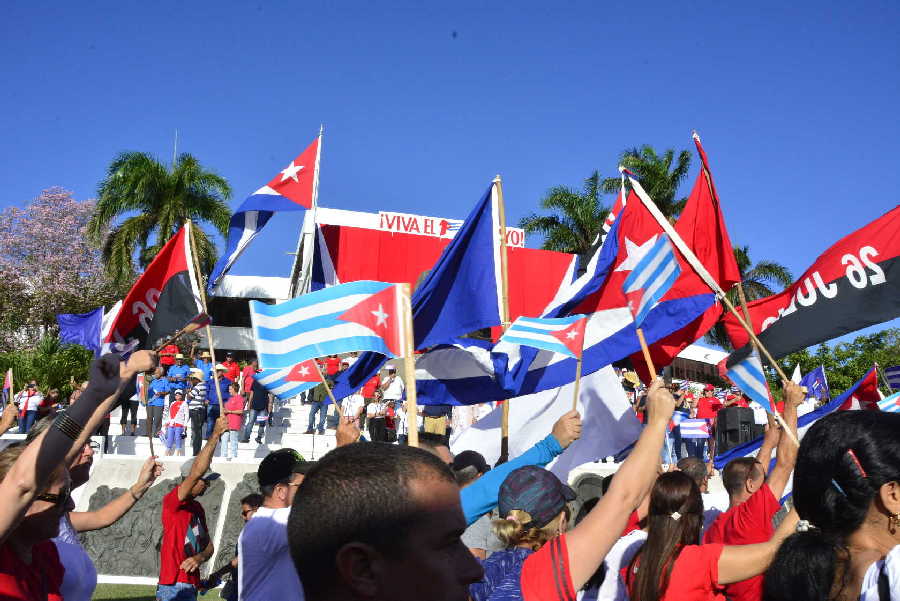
(424, 102)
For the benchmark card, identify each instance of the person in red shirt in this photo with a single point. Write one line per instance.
(167, 355)
(708, 405)
(754, 497)
(247, 377)
(187, 543)
(232, 368)
(332, 365)
(672, 566)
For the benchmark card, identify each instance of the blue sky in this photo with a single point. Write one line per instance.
(424, 103)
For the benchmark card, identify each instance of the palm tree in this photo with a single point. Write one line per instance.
(657, 174)
(758, 281)
(576, 225)
(155, 201)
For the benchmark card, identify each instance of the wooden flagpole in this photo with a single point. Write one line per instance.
(308, 239)
(200, 287)
(691, 258)
(504, 310)
(409, 366)
(577, 383)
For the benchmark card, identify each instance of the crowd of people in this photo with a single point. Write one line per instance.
(389, 521)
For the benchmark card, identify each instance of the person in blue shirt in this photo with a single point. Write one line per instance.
(213, 409)
(156, 400)
(204, 363)
(178, 373)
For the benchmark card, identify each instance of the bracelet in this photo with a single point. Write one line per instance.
(68, 426)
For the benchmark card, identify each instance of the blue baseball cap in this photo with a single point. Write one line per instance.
(536, 491)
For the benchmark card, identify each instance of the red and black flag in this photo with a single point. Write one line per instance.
(161, 302)
(852, 285)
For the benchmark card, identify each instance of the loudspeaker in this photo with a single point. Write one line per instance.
(734, 426)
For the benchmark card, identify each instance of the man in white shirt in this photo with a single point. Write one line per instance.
(392, 385)
(266, 571)
(29, 401)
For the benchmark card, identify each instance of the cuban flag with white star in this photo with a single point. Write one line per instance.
(289, 382)
(563, 335)
(358, 316)
(293, 189)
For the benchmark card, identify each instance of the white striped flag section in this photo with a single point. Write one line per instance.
(749, 377)
(890, 404)
(694, 428)
(278, 383)
(358, 316)
(893, 376)
(651, 279)
(564, 335)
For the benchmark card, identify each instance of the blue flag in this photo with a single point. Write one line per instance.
(82, 328)
(461, 293)
(817, 385)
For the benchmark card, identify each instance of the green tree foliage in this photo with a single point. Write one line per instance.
(759, 281)
(153, 202)
(51, 363)
(660, 175)
(847, 362)
(576, 222)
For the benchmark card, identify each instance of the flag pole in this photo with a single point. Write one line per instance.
(409, 367)
(200, 288)
(577, 383)
(504, 312)
(691, 258)
(884, 379)
(308, 238)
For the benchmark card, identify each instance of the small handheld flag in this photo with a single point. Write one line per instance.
(649, 281)
(694, 428)
(749, 377)
(893, 376)
(563, 335)
(890, 404)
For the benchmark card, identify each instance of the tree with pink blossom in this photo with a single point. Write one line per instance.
(47, 266)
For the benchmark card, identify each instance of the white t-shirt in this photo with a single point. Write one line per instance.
(266, 570)
(891, 566)
(351, 405)
(29, 403)
(80, 576)
(613, 589)
(376, 407)
(394, 391)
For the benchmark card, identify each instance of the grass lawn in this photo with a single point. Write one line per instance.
(137, 592)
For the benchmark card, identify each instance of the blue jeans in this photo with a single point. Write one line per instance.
(322, 409)
(695, 447)
(27, 422)
(212, 414)
(248, 429)
(180, 591)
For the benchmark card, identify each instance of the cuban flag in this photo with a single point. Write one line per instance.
(817, 385)
(890, 404)
(564, 335)
(863, 392)
(678, 416)
(893, 377)
(6, 397)
(694, 428)
(324, 274)
(358, 316)
(749, 377)
(293, 189)
(279, 382)
(651, 279)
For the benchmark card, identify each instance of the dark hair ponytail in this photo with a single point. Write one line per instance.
(844, 459)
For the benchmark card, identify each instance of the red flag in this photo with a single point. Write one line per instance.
(381, 314)
(702, 226)
(305, 371)
(296, 181)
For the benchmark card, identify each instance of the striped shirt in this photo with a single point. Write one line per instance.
(197, 396)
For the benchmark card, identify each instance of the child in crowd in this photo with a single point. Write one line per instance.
(176, 419)
(234, 411)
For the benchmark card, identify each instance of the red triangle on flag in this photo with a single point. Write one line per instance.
(295, 182)
(305, 371)
(379, 313)
(573, 336)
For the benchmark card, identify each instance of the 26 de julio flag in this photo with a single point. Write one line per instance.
(293, 189)
(852, 285)
(161, 302)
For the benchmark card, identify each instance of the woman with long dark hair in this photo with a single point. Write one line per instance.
(673, 566)
(847, 487)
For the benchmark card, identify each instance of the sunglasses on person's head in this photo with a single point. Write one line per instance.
(59, 498)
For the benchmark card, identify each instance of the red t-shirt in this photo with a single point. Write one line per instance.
(371, 385)
(247, 374)
(545, 573)
(184, 534)
(747, 524)
(332, 365)
(39, 581)
(234, 370)
(707, 407)
(632, 524)
(694, 577)
(167, 354)
(235, 403)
